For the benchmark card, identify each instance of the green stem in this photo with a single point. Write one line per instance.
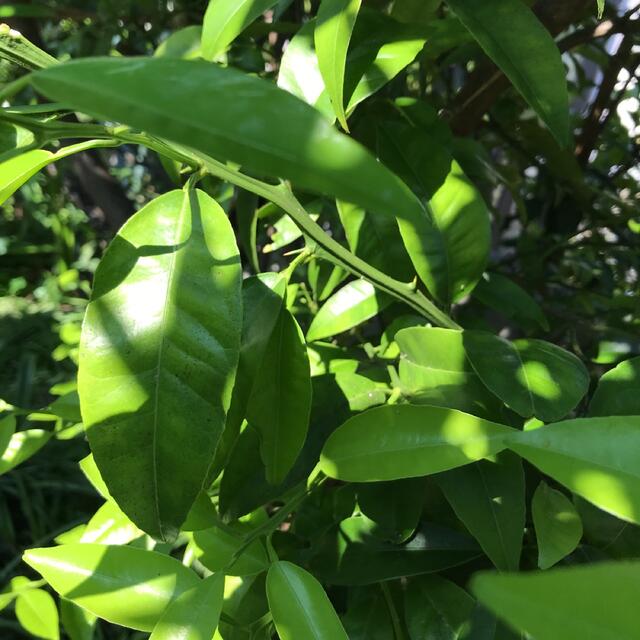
(398, 633)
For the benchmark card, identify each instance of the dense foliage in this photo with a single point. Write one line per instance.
(364, 363)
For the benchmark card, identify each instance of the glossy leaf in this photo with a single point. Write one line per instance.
(92, 474)
(186, 43)
(557, 524)
(334, 26)
(280, 402)
(618, 391)
(434, 369)
(405, 441)
(7, 429)
(436, 609)
(355, 303)
(21, 447)
(225, 20)
(532, 377)
(285, 138)
(15, 171)
(361, 392)
(367, 616)
(354, 556)
(78, 623)
(195, 614)
(594, 457)
(506, 297)
(512, 36)
(37, 612)
(110, 526)
(123, 585)
(572, 604)
(299, 605)
(161, 331)
(488, 497)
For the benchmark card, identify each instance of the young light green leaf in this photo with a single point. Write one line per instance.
(110, 526)
(520, 45)
(92, 474)
(355, 303)
(37, 612)
(186, 43)
(557, 523)
(21, 447)
(594, 457)
(336, 19)
(126, 586)
(407, 441)
(299, 605)
(488, 497)
(280, 402)
(15, 171)
(76, 621)
(195, 614)
(573, 604)
(600, 8)
(225, 20)
(361, 392)
(434, 369)
(436, 609)
(618, 391)
(532, 377)
(284, 138)
(162, 330)
(7, 429)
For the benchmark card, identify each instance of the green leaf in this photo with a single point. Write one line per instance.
(186, 43)
(7, 429)
(284, 138)
(520, 45)
(299, 605)
(532, 377)
(406, 441)
(557, 523)
(225, 20)
(334, 26)
(367, 616)
(436, 609)
(215, 549)
(92, 474)
(19, 50)
(393, 507)
(355, 303)
(21, 447)
(126, 586)
(37, 612)
(110, 526)
(17, 170)
(195, 614)
(434, 369)
(507, 298)
(78, 623)
(596, 601)
(594, 457)
(354, 556)
(162, 330)
(488, 497)
(280, 402)
(618, 391)
(600, 8)
(361, 392)
(247, 221)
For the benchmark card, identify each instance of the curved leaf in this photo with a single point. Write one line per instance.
(37, 612)
(618, 391)
(405, 441)
(195, 614)
(7, 429)
(158, 354)
(355, 303)
(533, 377)
(280, 402)
(285, 138)
(299, 605)
(557, 524)
(225, 20)
(21, 447)
(126, 586)
(336, 19)
(520, 45)
(597, 601)
(594, 457)
(110, 526)
(489, 499)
